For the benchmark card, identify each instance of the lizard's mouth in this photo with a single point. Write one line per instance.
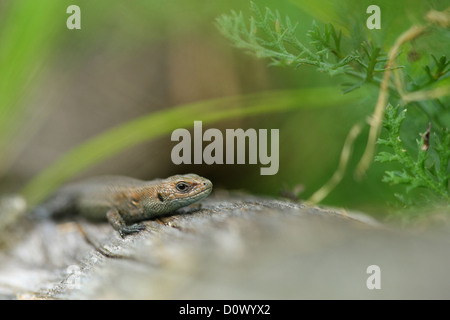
(202, 193)
(189, 199)
(205, 191)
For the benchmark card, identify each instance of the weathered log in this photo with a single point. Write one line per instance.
(233, 247)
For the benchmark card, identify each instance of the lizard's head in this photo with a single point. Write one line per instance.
(181, 190)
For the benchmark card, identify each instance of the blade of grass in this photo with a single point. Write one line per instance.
(27, 33)
(336, 178)
(163, 122)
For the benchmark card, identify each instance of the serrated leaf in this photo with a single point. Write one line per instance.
(386, 157)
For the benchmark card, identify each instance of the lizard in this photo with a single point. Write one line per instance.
(125, 201)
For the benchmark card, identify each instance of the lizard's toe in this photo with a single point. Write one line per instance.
(131, 229)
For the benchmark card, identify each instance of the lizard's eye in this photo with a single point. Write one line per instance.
(183, 186)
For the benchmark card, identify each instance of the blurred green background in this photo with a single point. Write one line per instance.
(59, 88)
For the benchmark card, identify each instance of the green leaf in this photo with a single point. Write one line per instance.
(415, 172)
(273, 37)
(162, 123)
(28, 31)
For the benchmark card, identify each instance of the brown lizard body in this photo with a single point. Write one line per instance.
(124, 201)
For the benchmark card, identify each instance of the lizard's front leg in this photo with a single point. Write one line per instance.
(119, 224)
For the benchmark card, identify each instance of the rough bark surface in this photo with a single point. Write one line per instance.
(233, 247)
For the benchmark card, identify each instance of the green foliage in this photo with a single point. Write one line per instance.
(420, 171)
(442, 67)
(156, 124)
(27, 34)
(271, 36)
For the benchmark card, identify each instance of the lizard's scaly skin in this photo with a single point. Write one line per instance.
(125, 201)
